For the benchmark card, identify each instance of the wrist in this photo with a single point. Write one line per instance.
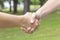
(19, 20)
(38, 16)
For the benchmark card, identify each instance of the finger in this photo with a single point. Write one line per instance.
(33, 18)
(31, 30)
(28, 29)
(24, 29)
(34, 27)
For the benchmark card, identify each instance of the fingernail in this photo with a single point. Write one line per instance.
(32, 29)
(32, 21)
(28, 28)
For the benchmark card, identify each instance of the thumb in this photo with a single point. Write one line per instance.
(33, 18)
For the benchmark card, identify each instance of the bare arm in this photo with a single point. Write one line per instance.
(48, 7)
(8, 20)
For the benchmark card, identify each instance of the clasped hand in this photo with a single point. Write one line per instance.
(30, 23)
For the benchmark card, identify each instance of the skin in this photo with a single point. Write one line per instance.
(33, 24)
(29, 22)
(23, 21)
(8, 20)
(48, 7)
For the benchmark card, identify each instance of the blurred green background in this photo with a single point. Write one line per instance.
(49, 28)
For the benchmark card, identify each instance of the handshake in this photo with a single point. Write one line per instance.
(30, 22)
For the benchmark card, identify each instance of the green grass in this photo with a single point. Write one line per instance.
(49, 29)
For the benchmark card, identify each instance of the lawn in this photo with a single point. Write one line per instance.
(49, 29)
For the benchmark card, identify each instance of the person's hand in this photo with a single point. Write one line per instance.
(31, 22)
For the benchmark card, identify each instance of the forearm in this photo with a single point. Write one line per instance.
(7, 20)
(48, 7)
